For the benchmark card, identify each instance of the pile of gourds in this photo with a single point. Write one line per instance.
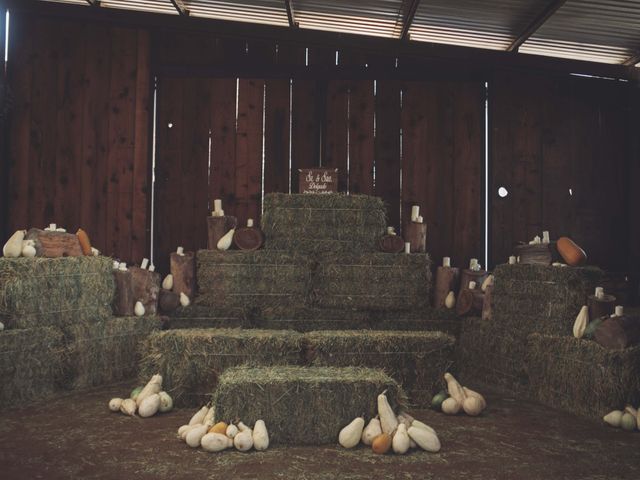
(146, 401)
(202, 432)
(458, 398)
(627, 419)
(388, 432)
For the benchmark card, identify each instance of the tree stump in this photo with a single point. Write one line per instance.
(603, 307)
(123, 301)
(619, 332)
(248, 238)
(54, 244)
(469, 302)
(446, 281)
(416, 235)
(538, 254)
(216, 229)
(146, 289)
(168, 301)
(487, 306)
(391, 243)
(183, 269)
(471, 275)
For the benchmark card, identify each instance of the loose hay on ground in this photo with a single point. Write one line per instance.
(30, 361)
(37, 292)
(191, 361)
(582, 377)
(302, 405)
(416, 360)
(323, 223)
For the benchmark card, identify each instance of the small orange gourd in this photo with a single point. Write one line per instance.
(570, 252)
(382, 443)
(219, 427)
(85, 243)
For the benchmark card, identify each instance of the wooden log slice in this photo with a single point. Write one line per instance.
(248, 238)
(447, 279)
(391, 244)
(471, 275)
(216, 229)
(146, 288)
(168, 301)
(487, 306)
(619, 332)
(54, 244)
(538, 254)
(416, 235)
(183, 269)
(469, 302)
(123, 301)
(603, 307)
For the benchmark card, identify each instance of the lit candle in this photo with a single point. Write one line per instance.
(536, 239)
(52, 227)
(152, 268)
(144, 264)
(180, 251)
(473, 263)
(446, 261)
(472, 285)
(123, 267)
(599, 293)
(415, 213)
(217, 205)
(391, 231)
(512, 260)
(116, 265)
(407, 247)
(250, 222)
(545, 237)
(619, 310)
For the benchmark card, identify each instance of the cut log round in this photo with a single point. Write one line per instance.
(619, 332)
(469, 302)
(123, 301)
(391, 244)
(248, 238)
(54, 244)
(601, 307)
(538, 254)
(146, 288)
(168, 301)
(416, 235)
(446, 281)
(471, 275)
(183, 269)
(217, 227)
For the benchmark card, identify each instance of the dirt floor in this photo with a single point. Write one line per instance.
(77, 437)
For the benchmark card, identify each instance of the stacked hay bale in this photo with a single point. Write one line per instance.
(526, 299)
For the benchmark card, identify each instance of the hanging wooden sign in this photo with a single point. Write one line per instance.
(318, 180)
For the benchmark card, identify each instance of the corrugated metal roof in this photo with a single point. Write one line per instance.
(271, 12)
(601, 31)
(77, 2)
(158, 6)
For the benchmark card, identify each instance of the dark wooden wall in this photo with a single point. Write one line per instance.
(80, 131)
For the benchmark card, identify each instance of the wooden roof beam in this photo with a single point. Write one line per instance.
(537, 22)
(407, 19)
(631, 61)
(179, 6)
(291, 14)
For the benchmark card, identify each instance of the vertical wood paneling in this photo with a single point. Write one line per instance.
(336, 130)
(276, 161)
(305, 135)
(361, 141)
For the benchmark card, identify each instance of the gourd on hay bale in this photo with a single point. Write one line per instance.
(416, 360)
(252, 279)
(30, 361)
(191, 361)
(581, 376)
(375, 281)
(302, 405)
(104, 352)
(323, 223)
(36, 292)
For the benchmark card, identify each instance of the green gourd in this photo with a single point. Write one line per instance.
(438, 398)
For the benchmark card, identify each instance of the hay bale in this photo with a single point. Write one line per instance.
(191, 361)
(375, 281)
(201, 316)
(582, 377)
(302, 405)
(323, 223)
(30, 361)
(416, 360)
(104, 352)
(37, 292)
(252, 279)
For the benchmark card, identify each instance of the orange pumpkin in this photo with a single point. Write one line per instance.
(382, 443)
(85, 243)
(570, 252)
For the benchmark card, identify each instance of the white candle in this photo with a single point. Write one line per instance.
(472, 263)
(221, 213)
(180, 251)
(144, 264)
(518, 259)
(472, 285)
(123, 267)
(512, 260)
(619, 310)
(415, 213)
(420, 219)
(152, 268)
(536, 239)
(116, 265)
(545, 237)
(52, 227)
(217, 205)
(446, 261)
(407, 247)
(250, 222)
(599, 293)
(390, 231)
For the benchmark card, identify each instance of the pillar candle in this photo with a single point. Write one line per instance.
(446, 261)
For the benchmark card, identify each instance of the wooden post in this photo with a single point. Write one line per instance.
(123, 301)
(469, 302)
(538, 254)
(446, 281)
(217, 227)
(619, 332)
(168, 301)
(391, 243)
(416, 235)
(487, 306)
(54, 244)
(603, 307)
(471, 275)
(146, 288)
(183, 269)
(248, 238)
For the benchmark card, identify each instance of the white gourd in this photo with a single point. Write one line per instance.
(184, 300)
(138, 309)
(166, 402)
(114, 404)
(630, 410)
(454, 388)
(209, 417)
(95, 252)
(225, 242)
(628, 422)
(243, 441)
(232, 431)
(451, 406)
(471, 393)
(167, 283)
(403, 420)
(388, 420)
(350, 435)
(472, 406)
(580, 324)
(153, 386)
(401, 441)
(198, 417)
(128, 407)
(13, 247)
(186, 431)
(613, 418)
(195, 435)
(28, 251)
(215, 442)
(450, 301)
(487, 283)
(260, 436)
(371, 431)
(183, 429)
(149, 406)
(425, 439)
(242, 427)
(419, 424)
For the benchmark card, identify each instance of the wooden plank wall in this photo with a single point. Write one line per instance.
(561, 149)
(79, 154)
